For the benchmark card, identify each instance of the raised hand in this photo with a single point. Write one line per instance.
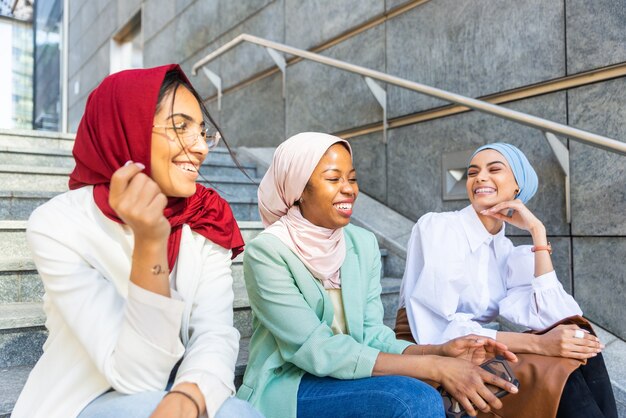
(561, 341)
(520, 217)
(476, 349)
(138, 201)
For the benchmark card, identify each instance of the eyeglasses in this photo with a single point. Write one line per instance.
(190, 133)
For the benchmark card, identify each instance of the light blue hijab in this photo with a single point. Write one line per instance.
(524, 173)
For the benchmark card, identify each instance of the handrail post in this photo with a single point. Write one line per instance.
(280, 62)
(562, 156)
(216, 80)
(381, 97)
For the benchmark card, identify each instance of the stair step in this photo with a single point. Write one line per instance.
(33, 178)
(216, 164)
(36, 157)
(13, 243)
(36, 139)
(18, 205)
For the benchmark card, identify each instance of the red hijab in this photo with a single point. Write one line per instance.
(117, 127)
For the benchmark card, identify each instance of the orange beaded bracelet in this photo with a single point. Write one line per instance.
(547, 248)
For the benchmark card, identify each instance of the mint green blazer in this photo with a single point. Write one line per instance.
(292, 315)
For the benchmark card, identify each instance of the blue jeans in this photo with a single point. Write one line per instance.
(113, 404)
(372, 397)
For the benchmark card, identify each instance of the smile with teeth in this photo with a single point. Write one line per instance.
(485, 190)
(343, 206)
(186, 166)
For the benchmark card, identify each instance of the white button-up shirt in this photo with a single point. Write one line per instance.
(459, 277)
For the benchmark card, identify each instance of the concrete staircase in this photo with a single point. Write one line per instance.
(34, 167)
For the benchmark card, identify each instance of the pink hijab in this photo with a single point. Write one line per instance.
(321, 250)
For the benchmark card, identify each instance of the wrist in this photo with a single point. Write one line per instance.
(535, 345)
(538, 234)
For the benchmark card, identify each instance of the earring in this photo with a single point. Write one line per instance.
(516, 192)
(300, 201)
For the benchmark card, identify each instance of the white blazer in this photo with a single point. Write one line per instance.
(459, 277)
(96, 339)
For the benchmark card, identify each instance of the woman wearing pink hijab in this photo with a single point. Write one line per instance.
(319, 345)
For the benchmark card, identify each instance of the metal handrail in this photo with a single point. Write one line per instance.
(544, 125)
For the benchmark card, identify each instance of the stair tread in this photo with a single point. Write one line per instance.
(33, 169)
(21, 315)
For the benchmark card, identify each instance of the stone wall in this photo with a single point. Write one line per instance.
(469, 47)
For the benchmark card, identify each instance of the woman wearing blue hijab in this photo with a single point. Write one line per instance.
(462, 272)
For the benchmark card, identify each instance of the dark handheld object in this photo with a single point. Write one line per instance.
(498, 366)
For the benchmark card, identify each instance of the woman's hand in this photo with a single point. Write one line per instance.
(175, 406)
(476, 349)
(561, 342)
(138, 201)
(521, 216)
(466, 383)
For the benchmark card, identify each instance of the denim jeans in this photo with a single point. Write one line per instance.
(113, 404)
(372, 397)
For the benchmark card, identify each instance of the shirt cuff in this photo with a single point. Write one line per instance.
(545, 281)
(155, 317)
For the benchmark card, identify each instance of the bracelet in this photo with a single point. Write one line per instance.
(188, 396)
(547, 248)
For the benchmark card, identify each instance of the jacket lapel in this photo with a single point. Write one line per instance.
(351, 282)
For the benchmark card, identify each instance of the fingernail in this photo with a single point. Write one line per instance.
(127, 163)
(141, 166)
(594, 354)
(514, 389)
(601, 346)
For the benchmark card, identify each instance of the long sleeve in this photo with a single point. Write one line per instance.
(534, 302)
(130, 359)
(376, 333)
(213, 341)
(434, 279)
(302, 338)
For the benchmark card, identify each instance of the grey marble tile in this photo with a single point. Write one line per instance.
(370, 162)
(561, 257)
(232, 13)
(325, 99)
(243, 321)
(392, 4)
(196, 26)
(598, 177)
(31, 287)
(600, 282)
(311, 23)
(246, 59)
(415, 153)
(21, 347)
(163, 47)
(450, 39)
(9, 287)
(595, 34)
(157, 14)
(254, 115)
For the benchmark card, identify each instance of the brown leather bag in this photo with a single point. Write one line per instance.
(541, 378)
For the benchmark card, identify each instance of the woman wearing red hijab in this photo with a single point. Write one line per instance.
(135, 261)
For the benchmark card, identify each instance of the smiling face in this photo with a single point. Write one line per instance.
(328, 197)
(174, 168)
(490, 180)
